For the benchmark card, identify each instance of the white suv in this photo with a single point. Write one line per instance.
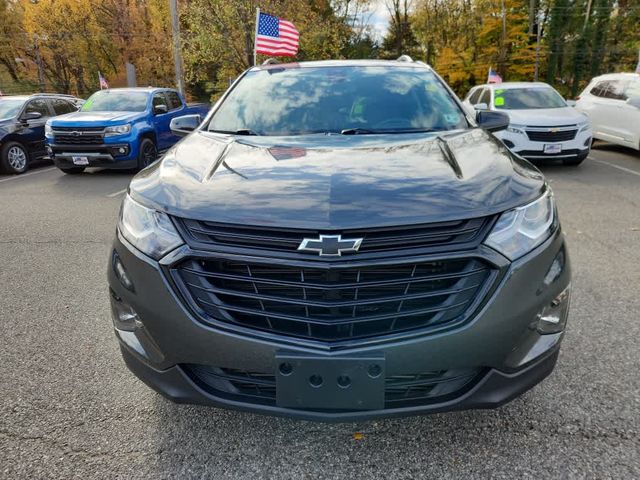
(542, 126)
(612, 102)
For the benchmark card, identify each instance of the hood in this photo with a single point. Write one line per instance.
(90, 119)
(333, 182)
(546, 117)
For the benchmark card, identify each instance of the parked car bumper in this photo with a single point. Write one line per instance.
(188, 361)
(520, 144)
(121, 155)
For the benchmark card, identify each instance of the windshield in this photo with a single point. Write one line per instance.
(9, 107)
(527, 98)
(111, 101)
(349, 100)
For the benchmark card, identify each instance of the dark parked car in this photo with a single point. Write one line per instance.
(338, 241)
(22, 120)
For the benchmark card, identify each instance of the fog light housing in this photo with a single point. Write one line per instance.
(120, 150)
(124, 316)
(121, 272)
(553, 317)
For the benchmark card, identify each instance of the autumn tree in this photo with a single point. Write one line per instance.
(11, 36)
(218, 35)
(400, 38)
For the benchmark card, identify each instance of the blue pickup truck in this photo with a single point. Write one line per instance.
(119, 128)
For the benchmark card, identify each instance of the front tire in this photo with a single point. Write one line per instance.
(14, 158)
(147, 154)
(72, 170)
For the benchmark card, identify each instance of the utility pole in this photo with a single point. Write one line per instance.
(36, 49)
(586, 17)
(177, 50)
(538, 36)
(503, 49)
(532, 15)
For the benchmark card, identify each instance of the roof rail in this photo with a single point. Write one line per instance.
(404, 58)
(270, 61)
(44, 94)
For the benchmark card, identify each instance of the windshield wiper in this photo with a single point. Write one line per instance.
(241, 131)
(357, 131)
(245, 131)
(366, 131)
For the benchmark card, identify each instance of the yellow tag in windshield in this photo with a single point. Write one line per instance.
(499, 101)
(87, 104)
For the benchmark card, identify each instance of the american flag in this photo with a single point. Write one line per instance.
(276, 37)
(102, 81)
(493, 77)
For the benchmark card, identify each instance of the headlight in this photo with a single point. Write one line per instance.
(48, 131)
(520, 230)
(584, 126)
(117, 130)
(148, 230)
(518, 129)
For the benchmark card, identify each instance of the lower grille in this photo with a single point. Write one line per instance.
(333, 302)
(536, 154)
(402, 390)
(551, 136)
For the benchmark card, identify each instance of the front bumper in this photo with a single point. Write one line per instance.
(499, 341)
(521, 145)
(109, 155)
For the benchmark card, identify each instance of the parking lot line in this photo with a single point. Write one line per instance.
(18, 177)
(628, 170)
(115, 194)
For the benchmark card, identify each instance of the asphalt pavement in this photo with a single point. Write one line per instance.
(71, 409)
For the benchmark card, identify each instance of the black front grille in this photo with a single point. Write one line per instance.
(551, 136)
(403, 390)
(78, 136)
(457, 234)
(333, 302)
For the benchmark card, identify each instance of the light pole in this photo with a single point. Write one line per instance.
(177, 51)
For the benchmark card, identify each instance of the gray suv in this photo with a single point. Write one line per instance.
(336, 241)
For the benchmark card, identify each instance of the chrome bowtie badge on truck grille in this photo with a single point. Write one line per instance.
(330, 245)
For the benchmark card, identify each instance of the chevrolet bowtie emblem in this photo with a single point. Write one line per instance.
(330, 245)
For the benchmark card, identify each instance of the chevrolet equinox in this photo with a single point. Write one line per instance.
(340, 240)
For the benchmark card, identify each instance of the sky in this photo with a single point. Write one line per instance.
(379, 17)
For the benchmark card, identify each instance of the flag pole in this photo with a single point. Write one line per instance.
(255, 38)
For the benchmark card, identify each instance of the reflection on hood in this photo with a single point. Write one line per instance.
(337, 182)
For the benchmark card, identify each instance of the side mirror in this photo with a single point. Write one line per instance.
(31, 116)
(634, 101)
(492, 121)
(571, 103)
(185, 124)
(481, 106)
(160, 109)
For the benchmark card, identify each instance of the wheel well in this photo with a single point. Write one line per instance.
(150, 135)
(8, 139)
(12, 139)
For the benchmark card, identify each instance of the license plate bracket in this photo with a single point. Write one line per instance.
(80, 160)
(553, 148)
(331, 383)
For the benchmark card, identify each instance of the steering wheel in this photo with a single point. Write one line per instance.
(393, 122)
